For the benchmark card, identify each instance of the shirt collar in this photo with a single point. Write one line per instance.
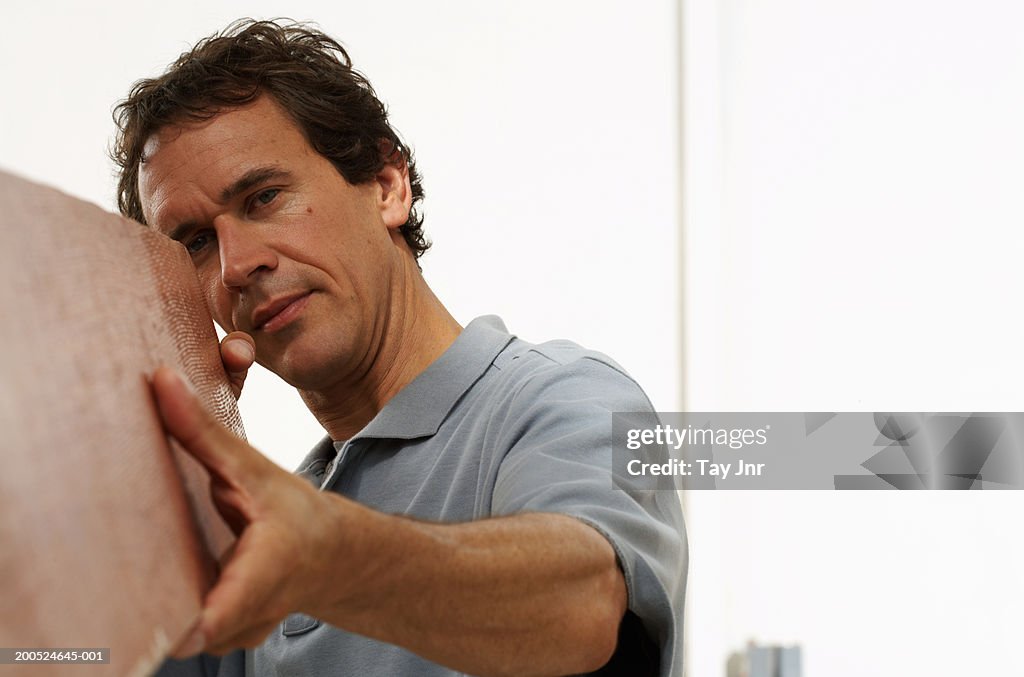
(420, 407)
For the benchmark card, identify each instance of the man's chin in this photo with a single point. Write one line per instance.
(304, 370)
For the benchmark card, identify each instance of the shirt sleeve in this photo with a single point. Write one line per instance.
(558, 436)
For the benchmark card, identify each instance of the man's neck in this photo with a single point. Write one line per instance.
(419, 329)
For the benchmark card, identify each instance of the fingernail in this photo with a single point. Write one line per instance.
(180, 378)
(247, 350)
(194, 644)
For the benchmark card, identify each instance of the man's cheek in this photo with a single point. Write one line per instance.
(218, 303)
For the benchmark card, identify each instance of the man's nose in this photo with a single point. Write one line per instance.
(243, 254)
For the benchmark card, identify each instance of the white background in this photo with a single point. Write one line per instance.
(546, 134)
(853, 195)
(851, 174)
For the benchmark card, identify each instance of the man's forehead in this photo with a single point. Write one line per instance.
(206, 128)
(223, 124)
(156, 140)
(216, 153)
(152, 177)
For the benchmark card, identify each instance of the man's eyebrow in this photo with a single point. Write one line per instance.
(251, 178)
(179, 231)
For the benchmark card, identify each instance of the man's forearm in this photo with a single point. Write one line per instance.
(536, 593)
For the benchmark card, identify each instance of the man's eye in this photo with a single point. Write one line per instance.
(198, 243)
(267, 196)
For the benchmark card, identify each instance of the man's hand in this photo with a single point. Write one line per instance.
(238, 352)
(265, 576)
(535, 593)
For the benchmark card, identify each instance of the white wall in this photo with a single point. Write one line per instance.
(546, 134)
(853, 179)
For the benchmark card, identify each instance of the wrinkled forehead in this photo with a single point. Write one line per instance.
(156, 167)
(156, 140)
(194, 161)
(255, 125)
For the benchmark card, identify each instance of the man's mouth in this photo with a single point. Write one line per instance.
(278, 312)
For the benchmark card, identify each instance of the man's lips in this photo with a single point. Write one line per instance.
(276, 313)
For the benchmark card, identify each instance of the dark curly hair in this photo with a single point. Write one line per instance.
(306, 72)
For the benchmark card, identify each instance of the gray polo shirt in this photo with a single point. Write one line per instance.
(498, 426)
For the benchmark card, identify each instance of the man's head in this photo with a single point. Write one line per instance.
(310, 77)
(298, 223)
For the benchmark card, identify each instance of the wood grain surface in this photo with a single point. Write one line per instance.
(107, 534)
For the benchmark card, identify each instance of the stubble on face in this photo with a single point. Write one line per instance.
(300, 228)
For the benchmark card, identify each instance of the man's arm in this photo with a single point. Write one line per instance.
(528, 594)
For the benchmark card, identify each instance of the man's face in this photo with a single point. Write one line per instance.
(286, 249)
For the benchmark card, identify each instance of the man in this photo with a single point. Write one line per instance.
(460, 516)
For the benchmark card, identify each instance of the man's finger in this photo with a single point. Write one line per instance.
(192, 644)
(237, 352)
(249, 639)
(237, 605)
(188, 422)
(196, 642)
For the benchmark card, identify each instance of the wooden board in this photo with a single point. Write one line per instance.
(107, 534)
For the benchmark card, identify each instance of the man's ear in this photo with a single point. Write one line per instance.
(394, 198)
